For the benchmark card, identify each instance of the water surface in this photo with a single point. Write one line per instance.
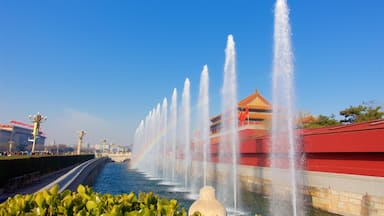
(118, 178)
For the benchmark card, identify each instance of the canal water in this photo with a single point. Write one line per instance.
(118, 178)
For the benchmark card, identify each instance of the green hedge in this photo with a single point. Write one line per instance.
(87, 202)
(11, 168)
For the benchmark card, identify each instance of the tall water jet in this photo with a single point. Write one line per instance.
(138, 145)
(147, 136)
(201, 140)
(164, 141)
(186, 141)
(203, 119)
(284, 145)
(150, 134)
(173, 130)
(229, 139)
(157, 142)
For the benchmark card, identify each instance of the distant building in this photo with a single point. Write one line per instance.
(253, 111)
(19, 134)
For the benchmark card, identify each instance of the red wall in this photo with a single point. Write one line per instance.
(353, 149)
(350, 149)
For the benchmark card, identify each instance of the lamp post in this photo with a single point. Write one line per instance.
(80, 141)
(37, 120)
(57, 147)
(104, 144)
(11, 142)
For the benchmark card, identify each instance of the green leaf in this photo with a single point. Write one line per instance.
(131, 213)
(81, 189)
(83, 212)
(20, 201)
(130, 196)
(91, 205)
(66, 193)
(47, 197)
(54, 190)
(39, 199)
(67, 201)
(145, 212)
(28, 197)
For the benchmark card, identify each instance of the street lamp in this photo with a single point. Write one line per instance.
(80, 141)
(104, 144)
(37, 120)
(11, 142)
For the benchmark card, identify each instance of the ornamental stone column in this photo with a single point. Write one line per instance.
(207, 204)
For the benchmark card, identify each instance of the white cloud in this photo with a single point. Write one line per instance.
(65, 126)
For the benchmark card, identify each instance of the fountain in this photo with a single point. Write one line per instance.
(229, 140)
(149, 137)
(147, 165)
(179, 137)
(186, 125)
(284, 164)
(138, 145)
(203, 119)
(157, 139)
(173, 131)
(164, 138)
(201, 141)
(283, 140)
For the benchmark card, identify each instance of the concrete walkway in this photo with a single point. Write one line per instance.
(36, 185)
(67, 178)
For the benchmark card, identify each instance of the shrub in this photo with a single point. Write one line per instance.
(87, 202)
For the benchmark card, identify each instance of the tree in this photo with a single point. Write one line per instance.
(320, 121)
(361, 113)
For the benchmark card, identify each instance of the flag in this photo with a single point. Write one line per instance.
(243, 115)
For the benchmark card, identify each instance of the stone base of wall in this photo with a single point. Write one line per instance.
(346, 203)
(342, 194)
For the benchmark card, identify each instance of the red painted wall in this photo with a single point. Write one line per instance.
(350, 149)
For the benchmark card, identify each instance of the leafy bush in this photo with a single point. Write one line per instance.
(87, 202)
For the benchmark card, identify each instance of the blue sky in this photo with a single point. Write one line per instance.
(102, 66)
